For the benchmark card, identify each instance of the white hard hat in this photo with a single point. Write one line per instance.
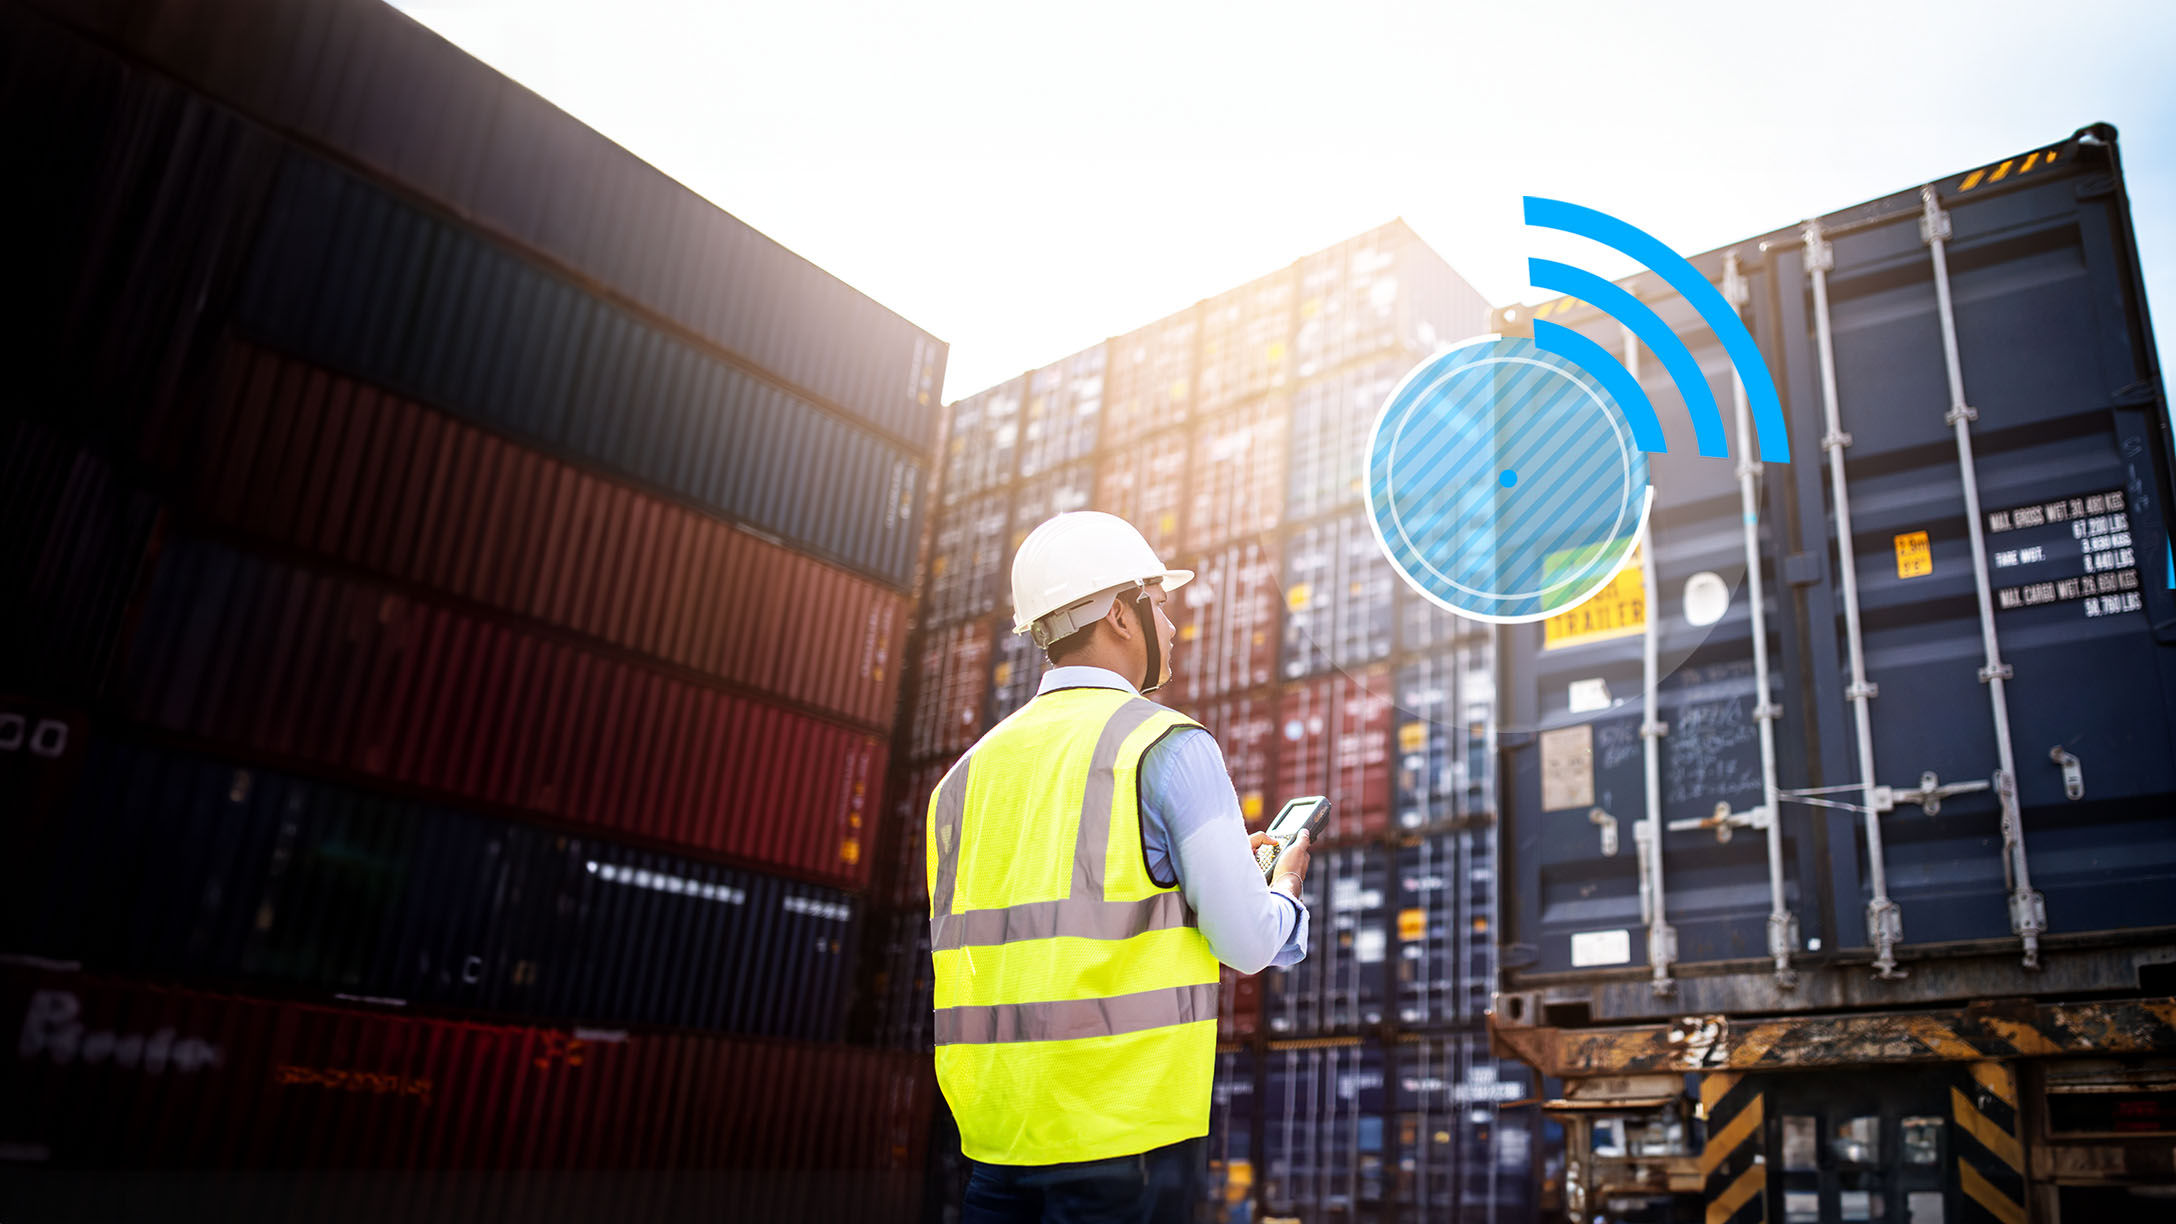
(1070, 568)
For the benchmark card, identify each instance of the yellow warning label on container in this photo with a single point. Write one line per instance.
(1619, 609)
(1002, 673)
(1295, 597)
(1167, 524)
(1914, 559)
(1412, 924)
(1250, 805)
(850, 850)
(1187, 633)
(1412, 737)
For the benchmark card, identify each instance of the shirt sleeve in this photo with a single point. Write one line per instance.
(1193, 832)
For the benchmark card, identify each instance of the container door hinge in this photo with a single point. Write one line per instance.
(1820, 255)
(1782, 944)
(1661, 954)
(1933, 218)
(1885, 930)
(2073, 775)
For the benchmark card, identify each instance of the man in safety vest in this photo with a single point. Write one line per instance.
(1089, 870)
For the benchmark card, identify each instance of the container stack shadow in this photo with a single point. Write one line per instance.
(455, 590)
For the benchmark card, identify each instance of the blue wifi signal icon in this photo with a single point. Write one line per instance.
(1507, 478)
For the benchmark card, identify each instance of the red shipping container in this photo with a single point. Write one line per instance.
(1149, 380)
(324, 463)
(951, 682)
(1246, 732)
(1335, 733)
(1238, 469)
(335, 671)
(1145, 484)
(119, 1076)
(1228, 619)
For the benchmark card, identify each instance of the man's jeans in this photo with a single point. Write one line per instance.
(1155, 1187)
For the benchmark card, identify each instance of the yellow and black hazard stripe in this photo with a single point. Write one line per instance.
(1733, 1162)
(1988, 1144)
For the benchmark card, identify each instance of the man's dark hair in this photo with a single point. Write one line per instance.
(1069, 645)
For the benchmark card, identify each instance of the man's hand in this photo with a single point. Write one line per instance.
(1291, 866)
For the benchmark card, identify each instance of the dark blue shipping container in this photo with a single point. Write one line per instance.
(1465, 1138)
(1325, 1122)
(1344, 983)
(71, 557)
(1016, 673)
(1037, 497)
(1331, 419)
(137, 201)
(1338, 594)
(982, 441)
(903, 986)
(1229, 1187)
(1445, 728)
(2000, 307)
(351, 277)
(1064, 412)
(174, 866)
(967, 576)
(379, 90)
(1446, 923)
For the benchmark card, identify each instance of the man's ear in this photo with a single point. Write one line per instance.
(1119, 621)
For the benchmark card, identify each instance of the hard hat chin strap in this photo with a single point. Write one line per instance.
(1146, 611)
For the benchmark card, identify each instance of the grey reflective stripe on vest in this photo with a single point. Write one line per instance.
(1088, 846)
(1095, 803)
(951, 813)
(1050, 919)
(1076, 1018)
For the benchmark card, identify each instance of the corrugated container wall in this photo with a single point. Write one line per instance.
(430, 1118)
(2070, 461)
(1149, 383)
(1063, 416)
(451, 565)
(175, 865)
(400, 100)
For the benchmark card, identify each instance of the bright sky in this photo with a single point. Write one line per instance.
(1025, 179)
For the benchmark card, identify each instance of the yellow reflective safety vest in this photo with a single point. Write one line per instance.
(1076, 997)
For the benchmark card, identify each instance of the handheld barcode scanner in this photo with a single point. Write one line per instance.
(1306, 813)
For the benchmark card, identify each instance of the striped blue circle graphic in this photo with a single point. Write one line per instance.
(1503, 482)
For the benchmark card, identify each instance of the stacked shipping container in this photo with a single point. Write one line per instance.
(1230, 434)
(448, 566)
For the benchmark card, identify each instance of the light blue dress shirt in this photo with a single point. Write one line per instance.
(1192, 834)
